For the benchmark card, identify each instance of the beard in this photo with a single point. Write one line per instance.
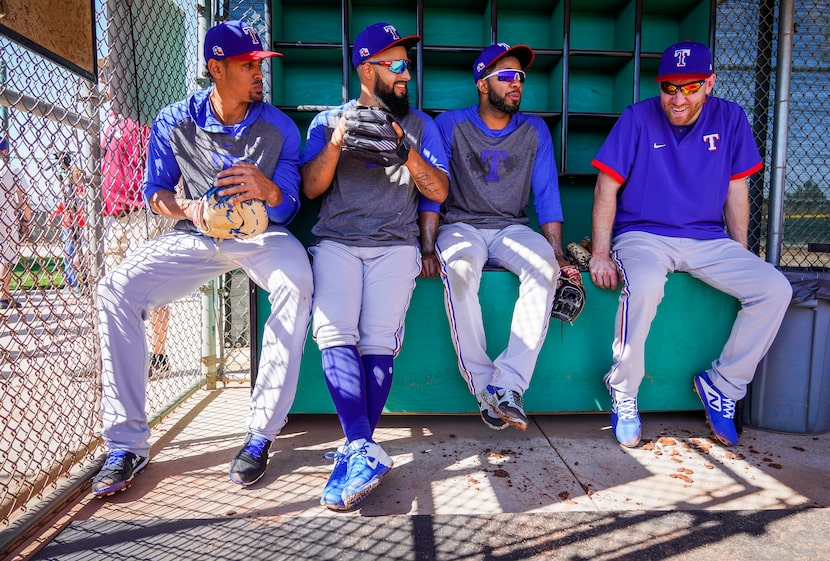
(501, 103)
(256, 96)
(389, 100)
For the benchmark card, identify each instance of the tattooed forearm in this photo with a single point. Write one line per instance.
(426, 184)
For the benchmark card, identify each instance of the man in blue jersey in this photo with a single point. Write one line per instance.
(498, 155)
(366, 255)
(671, 195)
(225, 136)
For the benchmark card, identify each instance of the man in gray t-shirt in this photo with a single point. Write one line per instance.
(367, 257)
(498, 155)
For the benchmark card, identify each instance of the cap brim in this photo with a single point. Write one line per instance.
(521, 52)
(677, 77)
(254, 55)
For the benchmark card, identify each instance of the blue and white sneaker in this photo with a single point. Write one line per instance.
(333, 492)
(719, 409)
(367, 464)
(507, 404)
(625, 419)
(250, 462)
(118, 472)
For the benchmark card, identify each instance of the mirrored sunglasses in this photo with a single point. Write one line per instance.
(396, 66)
(685, 89)
(507, 75)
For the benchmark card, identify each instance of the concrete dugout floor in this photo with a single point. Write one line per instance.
(460, 491)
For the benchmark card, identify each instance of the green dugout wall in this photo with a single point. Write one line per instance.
(593, 58)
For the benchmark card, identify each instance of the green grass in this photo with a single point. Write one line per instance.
(34, 272)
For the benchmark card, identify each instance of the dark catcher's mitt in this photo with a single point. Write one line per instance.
(370, 136)
(570, 295)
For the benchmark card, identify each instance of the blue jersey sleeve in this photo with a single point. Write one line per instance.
(287, 173)
(163, 170)
(545, 181)
(746, 158)
(433, 150)
(616, 155)
(316, 137)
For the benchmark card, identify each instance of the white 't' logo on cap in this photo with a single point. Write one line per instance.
(680, 55)
(390, 29)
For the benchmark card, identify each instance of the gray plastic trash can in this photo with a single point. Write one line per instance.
(791, 388)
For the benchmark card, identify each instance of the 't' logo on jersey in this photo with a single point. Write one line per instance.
(493, 158)
(712, 140)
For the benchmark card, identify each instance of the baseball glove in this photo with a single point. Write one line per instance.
(578, 254)
(214, 216)
(570, 295)
(370, 136)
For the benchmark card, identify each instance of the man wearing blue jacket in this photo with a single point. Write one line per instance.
(224, 136)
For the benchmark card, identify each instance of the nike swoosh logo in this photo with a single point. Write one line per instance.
(659, 145)
(372, 462)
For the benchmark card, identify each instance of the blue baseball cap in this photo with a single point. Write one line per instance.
(377, 38)
(491, 54)
(4, 144)
(687, 60)
(234, 40)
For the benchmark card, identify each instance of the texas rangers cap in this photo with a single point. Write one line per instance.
(234, 40)
(377, 38)
(685, 61)
(491, 54)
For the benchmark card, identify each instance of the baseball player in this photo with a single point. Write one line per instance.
(497, 156)
(366, 257)
(224, 135)
(672, 175)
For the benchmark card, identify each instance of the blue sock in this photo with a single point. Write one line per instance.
(378, 370)
(346, 380)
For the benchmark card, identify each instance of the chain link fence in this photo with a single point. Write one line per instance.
(746, 60)
(70, 211)
(62, 130)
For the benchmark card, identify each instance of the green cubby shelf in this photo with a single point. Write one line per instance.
(538, 24)
(450, 86)
(602, 25)
(456, 23)
(648, 74)
(593, 57)
(664, 23)
(600, 84)
(586, 133)
(304, 76)
(291, 20)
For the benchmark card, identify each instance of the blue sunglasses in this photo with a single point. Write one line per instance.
(396, 66)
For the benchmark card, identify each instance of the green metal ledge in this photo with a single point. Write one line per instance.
(691, 327)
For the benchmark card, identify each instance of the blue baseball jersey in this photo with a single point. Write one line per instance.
(494, 171)
(675, 185)
(369, 205)
(188, 142)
